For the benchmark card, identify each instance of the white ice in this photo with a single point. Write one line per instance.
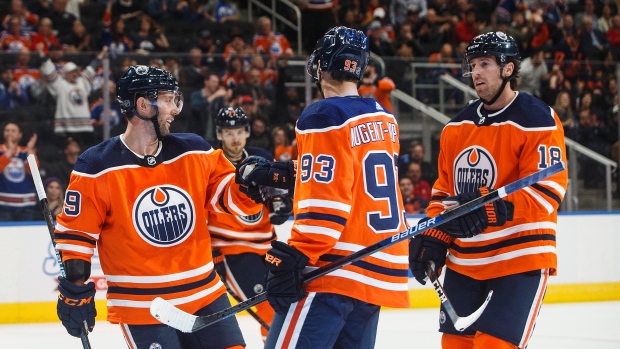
(566, 326)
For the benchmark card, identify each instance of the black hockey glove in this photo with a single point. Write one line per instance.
(258, 171)
(76, 304)
(494, 213)
(430, 245)
(284, 279)
(280, 207)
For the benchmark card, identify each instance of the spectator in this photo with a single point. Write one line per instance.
(72, 116)
(421, 188)
(11, 94)
(564, 110)
(13, 38)
(27, 19)
(323, 17)
(237, 46)
(221, 11)
(589, 9)
(263, 94)
(63, 20)
(115, 117)
(416, 154)
(26, 75)
(466, 29)
(44, 37)
(78, 40)
(61, 169)
(266, 41)
(211, 51)
(127, 10)
(377, 87)
(234, 75)
(604, 22)
(204, 105)
(533, 71)
(150, 37)
(17, 197)
(592, 133)
(259, 134)
(193, 73)
(432, 33)
(401, 9)
(613, 36)
(55, 195)
(592, 40)
(539, 32)
(378, 41)
(413, 204)
(113, 34)
(284, 150)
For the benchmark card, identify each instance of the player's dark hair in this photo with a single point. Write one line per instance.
(342, 76)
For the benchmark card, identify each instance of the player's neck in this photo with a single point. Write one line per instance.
(504, 99)
(346, 88)
(141, 141)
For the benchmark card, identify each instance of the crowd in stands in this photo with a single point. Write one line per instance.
(570, 50)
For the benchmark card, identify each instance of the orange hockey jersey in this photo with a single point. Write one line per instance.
(347, 198)
(243, 234)
(482, 149)
(148, 218)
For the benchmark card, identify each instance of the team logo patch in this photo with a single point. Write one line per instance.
(501, 35)
(442, 317)
(251, 219)
(164, 216)
(142, 69)
(155, 346)
(15, 171)
(474, 167)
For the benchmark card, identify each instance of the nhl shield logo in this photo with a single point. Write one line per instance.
(474, 167)
(164, 216)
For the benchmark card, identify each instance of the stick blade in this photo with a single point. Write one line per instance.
(464, 322)
(172, 316)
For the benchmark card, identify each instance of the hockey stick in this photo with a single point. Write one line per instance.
(460, 323)
(38, 184)
(168, 314)
(249, 310)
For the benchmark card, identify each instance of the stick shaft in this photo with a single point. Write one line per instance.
(47, 214)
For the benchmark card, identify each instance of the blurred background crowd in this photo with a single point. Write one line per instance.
(52, 93)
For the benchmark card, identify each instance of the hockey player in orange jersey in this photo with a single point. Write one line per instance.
(506, 246)
(142, 199)
(346, 198)
(240, 242)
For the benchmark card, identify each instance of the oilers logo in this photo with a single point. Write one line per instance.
(251, 219)
(75, 97)
(164, 216)
(15, 171)
(474, 167)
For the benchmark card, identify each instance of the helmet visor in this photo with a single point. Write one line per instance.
(169, 100)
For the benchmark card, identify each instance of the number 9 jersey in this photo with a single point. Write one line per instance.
(347, 198)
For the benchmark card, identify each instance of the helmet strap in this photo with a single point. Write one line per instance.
(317, 81)
(153, 119)
(501, 89)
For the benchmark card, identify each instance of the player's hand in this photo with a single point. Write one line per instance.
(256, 170)
(495, 213)
(76, 304)
(280, 207)
(284, 279)
(425, 247)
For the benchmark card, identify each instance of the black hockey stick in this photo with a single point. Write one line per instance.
(168, 314)
(38, 184)
(460, 323)
(249, 310)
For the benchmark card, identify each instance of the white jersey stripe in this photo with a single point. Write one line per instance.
(540, 199)
(76, 248)
(501, 257)
(313, 229)
(324, 204)
(367, 280)
(161, 278)
(174, 301)
(244, 235)
(508, 231)
(346, 246)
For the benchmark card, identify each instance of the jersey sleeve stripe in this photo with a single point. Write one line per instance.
(547, 192)
(161, 278)
(313, 229)
(322, 217)
(61, 228)
(231, 202)
(509, 231)
(390, 258)
(555, 186)
(218, 192)
(501, 257)
(76, 248)
(242, 235)
(347, 274)
(176, 301)
(368, 266)
(119, 290)
(324, 204)
(74, 237)
(502, 244)
(540, 199)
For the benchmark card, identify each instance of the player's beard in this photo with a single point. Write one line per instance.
(164, 128)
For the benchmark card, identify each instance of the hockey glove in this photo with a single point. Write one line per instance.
(430, 245)
(76, 304)
(256, 171)
(494, 213)
(280, 208)
(284, 278)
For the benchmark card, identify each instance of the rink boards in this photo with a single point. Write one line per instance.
(586, 247)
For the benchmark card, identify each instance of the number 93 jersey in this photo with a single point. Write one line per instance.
(347, 198)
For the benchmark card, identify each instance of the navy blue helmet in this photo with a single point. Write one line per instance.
(231, 118)
(340, 49)
(496, 44)
(147, 81)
